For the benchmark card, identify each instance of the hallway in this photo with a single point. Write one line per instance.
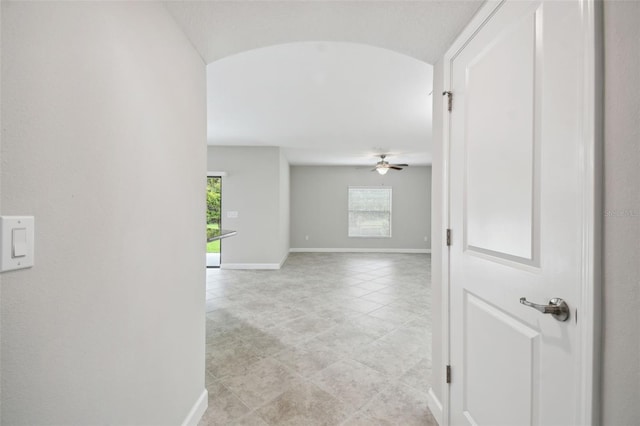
(331, 338)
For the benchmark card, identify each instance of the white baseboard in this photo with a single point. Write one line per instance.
(284, 259)
(224, 265)
(435, 406)
(250, 266)
(357, 250)
(255, 265)
(198, 409)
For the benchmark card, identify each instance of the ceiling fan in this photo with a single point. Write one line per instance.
(383, 166)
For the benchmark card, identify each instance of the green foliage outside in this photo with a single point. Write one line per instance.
(213, 200)
(213, 211)
(213, 246)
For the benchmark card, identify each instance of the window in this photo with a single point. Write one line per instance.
(369, 212)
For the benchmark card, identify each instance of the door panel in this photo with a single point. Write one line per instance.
(500, 159)
(516, 197)
(493, 377)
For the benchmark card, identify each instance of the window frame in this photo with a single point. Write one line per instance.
(388, 189)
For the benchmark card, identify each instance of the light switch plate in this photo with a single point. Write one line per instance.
(16, 254)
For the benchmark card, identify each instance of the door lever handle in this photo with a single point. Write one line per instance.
(557, 307)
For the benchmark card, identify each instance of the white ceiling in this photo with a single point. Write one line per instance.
(323, 102)
(332, 82)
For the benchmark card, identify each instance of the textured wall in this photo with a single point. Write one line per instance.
(621, 336)
(103, 114)
(319, 207)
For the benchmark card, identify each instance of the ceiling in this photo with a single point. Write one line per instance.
(324, 103)
(331, 82)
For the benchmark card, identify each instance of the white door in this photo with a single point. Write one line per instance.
(518, 196)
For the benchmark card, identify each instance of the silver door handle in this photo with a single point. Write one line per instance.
(558, 308)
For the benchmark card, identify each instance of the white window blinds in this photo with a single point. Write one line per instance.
(369, 212)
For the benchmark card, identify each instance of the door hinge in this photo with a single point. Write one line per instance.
(448, 237)
(448, 374)
(449, 100)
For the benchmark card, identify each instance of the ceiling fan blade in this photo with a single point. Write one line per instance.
(399, 165)
(375, 169)
(395, 168)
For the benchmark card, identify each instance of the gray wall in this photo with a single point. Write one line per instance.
(621, 245)
(103, 141)
(255, 188)
(319, 207)
(621, 335)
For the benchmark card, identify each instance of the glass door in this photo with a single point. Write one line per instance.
(214, 222)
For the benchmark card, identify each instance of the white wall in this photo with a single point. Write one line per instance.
(103, 114)
(621, 336)
(621, 247)
(254, 188)
(285, 200)
(438, 237)
(1, 208)
(319, 207)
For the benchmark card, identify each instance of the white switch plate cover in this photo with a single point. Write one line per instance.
(7, 260)
(232, 214)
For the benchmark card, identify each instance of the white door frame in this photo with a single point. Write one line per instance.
(592, 149)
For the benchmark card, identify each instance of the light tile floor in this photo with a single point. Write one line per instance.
(329, 339)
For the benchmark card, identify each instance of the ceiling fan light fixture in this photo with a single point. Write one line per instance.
(383, 166)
